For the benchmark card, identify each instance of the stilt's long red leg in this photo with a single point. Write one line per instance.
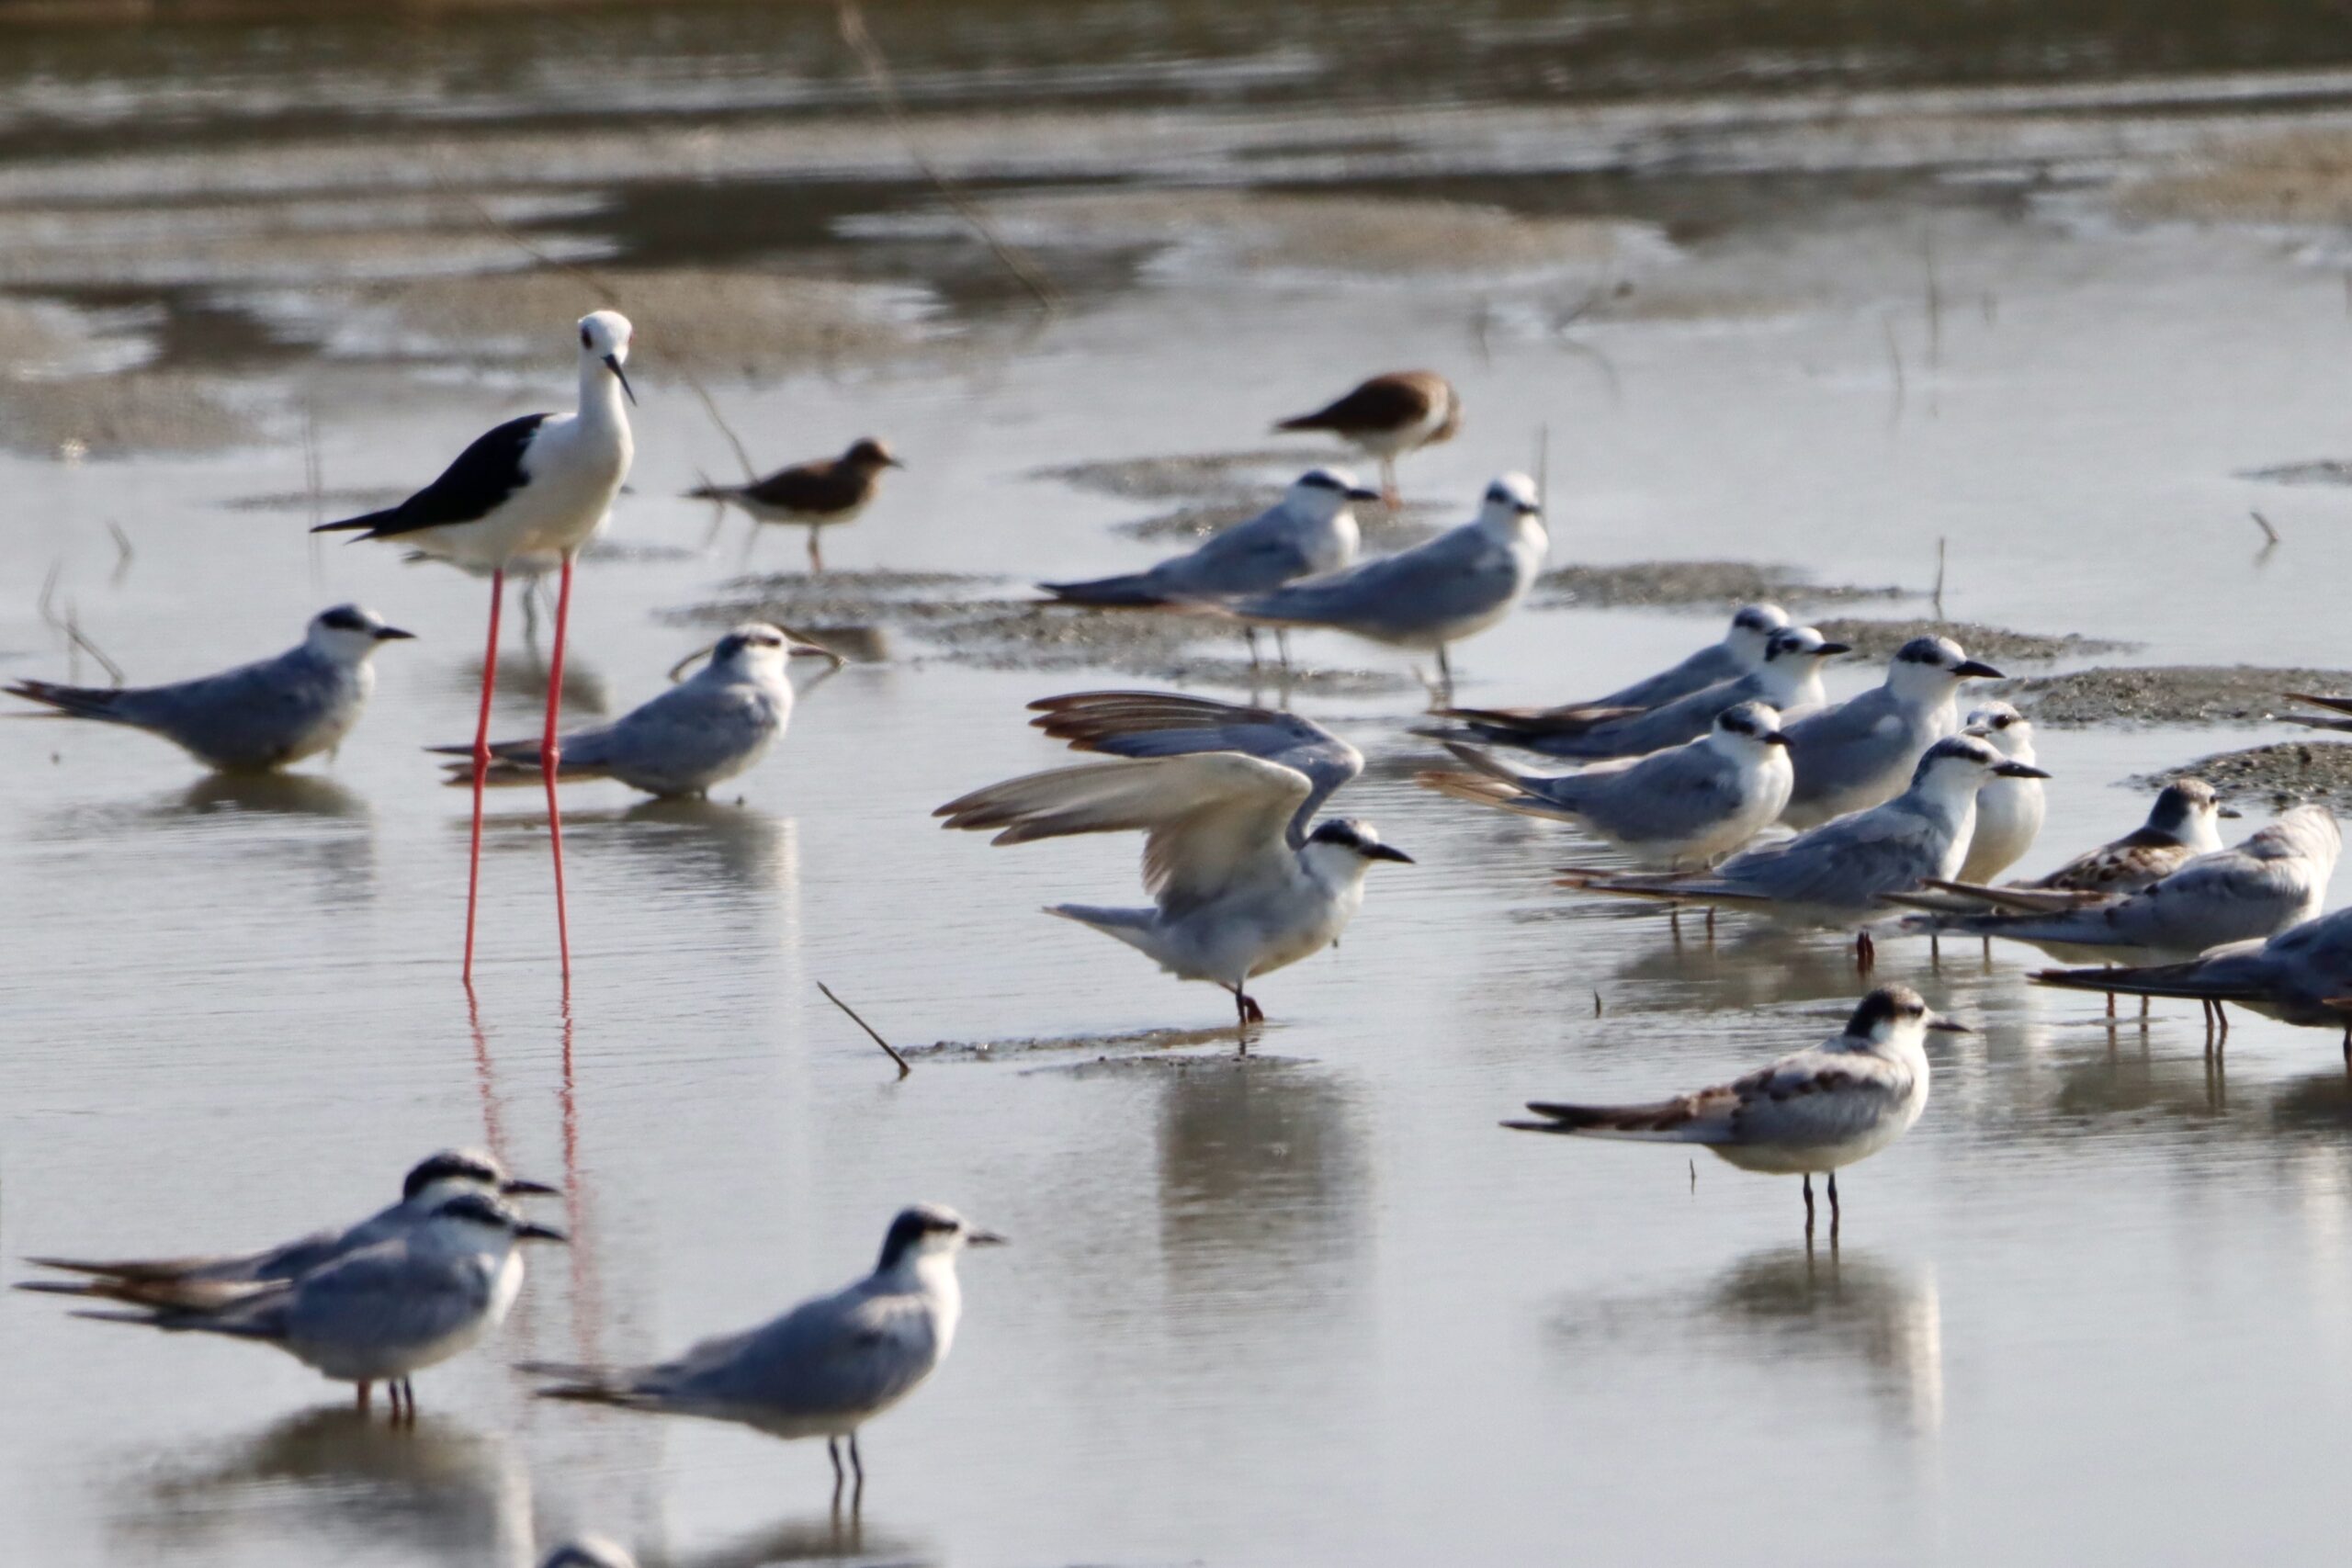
(550, 755)
(482, 767)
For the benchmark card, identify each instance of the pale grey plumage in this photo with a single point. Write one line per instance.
(1851, 756)
(1309, 531)
(1788, 682)
(432, 1179)
(257, 716)
(383, 1312)
(2302, 976)
(709, 728)
(1740, 652)
(1680, 809)
(822, 1370)
(2273, 881)
(1455, 585)
(1839, 871)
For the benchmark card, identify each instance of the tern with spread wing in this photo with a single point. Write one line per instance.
(1241, 884)
(1814, 1111)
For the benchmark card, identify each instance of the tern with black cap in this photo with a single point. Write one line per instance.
(255, 718)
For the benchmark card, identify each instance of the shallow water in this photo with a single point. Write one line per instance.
(1311, 1308)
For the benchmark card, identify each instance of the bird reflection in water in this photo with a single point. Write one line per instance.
(691, 848)
(1789, 1304)
(1263, 1181)
(818, 1538)
(448, 1492)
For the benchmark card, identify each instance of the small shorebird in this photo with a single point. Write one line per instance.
(2274, 881)
(822, 1370)
(1387, 417)
(2180, 826)
(2008, 810)
(1241, 886)
(1311, 530)
(255, 718)
(533, 488)
(1815, 1110)
(153, 1280)
(1838, 873)
(381, 1314)
(1862, 752)
(1787, 679)
(821, 493)
(1452, 586)
(1677, 809)
(2302, 976)
(1740, 653)
(699, 733)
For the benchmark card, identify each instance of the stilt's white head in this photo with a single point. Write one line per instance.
(603, 340)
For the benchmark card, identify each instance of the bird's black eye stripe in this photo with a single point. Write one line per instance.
(1318, 479)
(584, 341)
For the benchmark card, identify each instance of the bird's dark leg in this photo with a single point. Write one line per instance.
(834, 1451)
(367, 1390)
(408, 1394)
(1249, 635)
(2347, 1047)
(1711, 923)
(1988, 949)
(1865, 951)
(1674, 920)
(1445, 674)
(552, 758)
(1934, 949)
(1282, 647)
(482, 767)
(2221, 1014)
(1390, 496)
(857, 1467)
(1834, 1215)
(816, 552)
(1807, 1179)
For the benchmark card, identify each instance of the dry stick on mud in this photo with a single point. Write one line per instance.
(123, 554)
(69, 625)
(903, 1069)
(2270, 534)
(851, 20)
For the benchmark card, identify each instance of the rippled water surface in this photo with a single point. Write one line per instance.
(1801, 284)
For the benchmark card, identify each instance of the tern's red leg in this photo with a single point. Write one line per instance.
(550, 754)
(482, 767)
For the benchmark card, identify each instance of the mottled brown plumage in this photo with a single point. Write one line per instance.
(1388, 416)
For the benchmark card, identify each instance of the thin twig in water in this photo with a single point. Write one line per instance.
(885, 92)
(122, 553)
(1894, 358)
(1542, 463)
(2270, 534)
(1937, 598)
(1935, 302)
(903, 1068)
(1596, 1004)
(74, 635)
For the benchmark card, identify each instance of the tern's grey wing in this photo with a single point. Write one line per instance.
(691, 730)
(842, 1356)
(1167, 724)
(1867, 719)
(1455, 576)
(1673, 794)
(247, 717)
(1703, 668)
(385, 1296)
(1846, 864)
(2216, 899)
(283, 1262)
(1254, 557)
(1670, 724)
(2297, 973)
